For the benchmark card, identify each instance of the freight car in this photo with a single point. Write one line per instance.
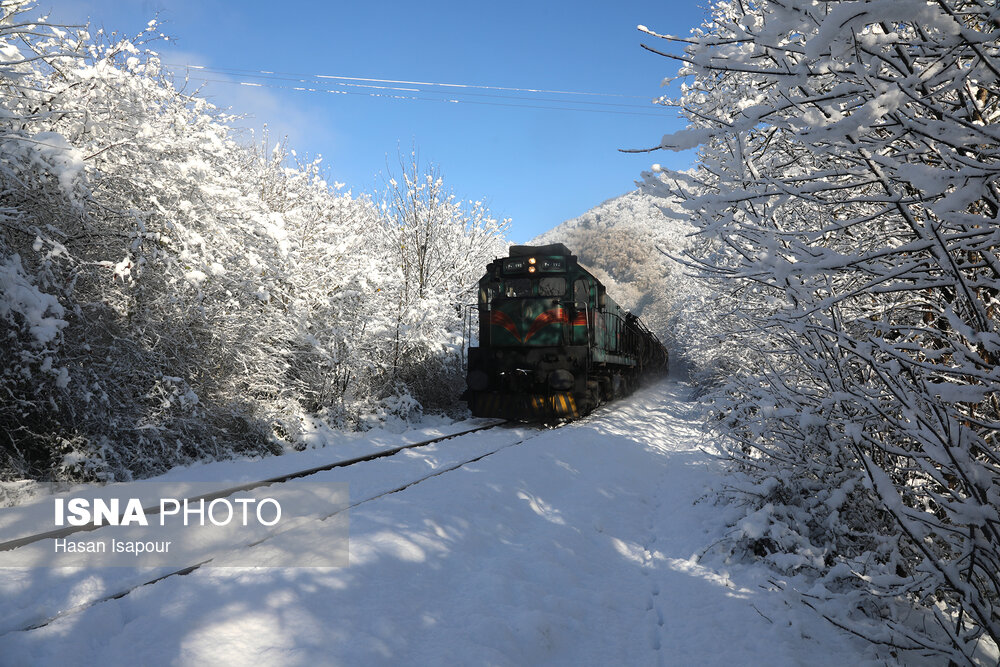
(552, 343)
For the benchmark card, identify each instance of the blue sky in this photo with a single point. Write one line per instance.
(536, 166)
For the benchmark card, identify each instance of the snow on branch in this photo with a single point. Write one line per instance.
(847, 196)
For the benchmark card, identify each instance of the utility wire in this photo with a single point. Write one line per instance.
(224, 70)
(458, 93)
(450, 92)
(249, 84)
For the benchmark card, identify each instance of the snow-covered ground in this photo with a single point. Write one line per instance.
(585, 545)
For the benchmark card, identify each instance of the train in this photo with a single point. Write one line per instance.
(552, 345)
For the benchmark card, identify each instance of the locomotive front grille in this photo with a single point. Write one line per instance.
(559, 405)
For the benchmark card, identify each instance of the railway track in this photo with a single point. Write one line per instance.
(39, 620)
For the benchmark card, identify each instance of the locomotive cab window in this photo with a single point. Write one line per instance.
(518, 287)
(487, 291)
(551, 286)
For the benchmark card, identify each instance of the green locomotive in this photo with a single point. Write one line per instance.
(552, 343)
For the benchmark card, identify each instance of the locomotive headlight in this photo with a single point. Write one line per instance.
(531, 269)
(531, 260)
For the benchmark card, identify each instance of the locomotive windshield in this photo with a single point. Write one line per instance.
(518, 287)
(515, 288)
(552, 286)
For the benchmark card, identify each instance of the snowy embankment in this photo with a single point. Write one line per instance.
(582, 545)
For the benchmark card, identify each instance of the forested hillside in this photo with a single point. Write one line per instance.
(173, 288)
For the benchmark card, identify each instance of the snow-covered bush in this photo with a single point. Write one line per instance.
(119, 203)
(847, 198)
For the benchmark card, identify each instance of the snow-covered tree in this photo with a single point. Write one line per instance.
(160, 299)
(438, 247)
(173, 289)
(134, 220)
(847, 197)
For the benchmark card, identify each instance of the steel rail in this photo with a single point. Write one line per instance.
(188, 569)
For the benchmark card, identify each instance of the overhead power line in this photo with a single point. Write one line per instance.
(276, 76)
(227, 70)
(454, 93)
